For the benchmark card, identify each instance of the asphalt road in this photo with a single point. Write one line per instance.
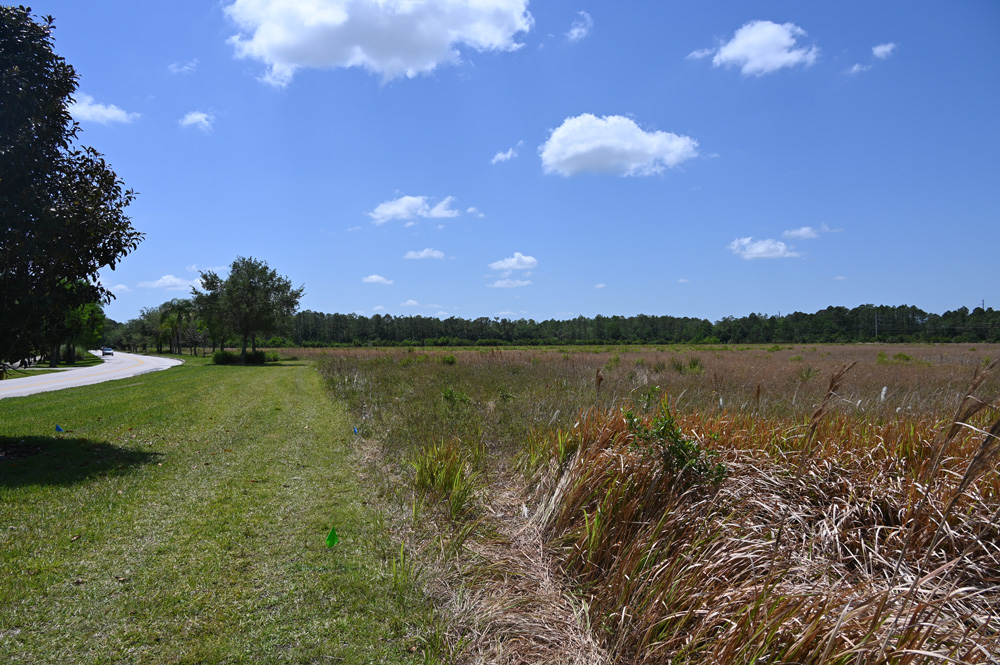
(118, 366)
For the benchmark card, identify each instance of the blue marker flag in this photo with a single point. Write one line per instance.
(59, 429)
(331, 538)
(355, 430)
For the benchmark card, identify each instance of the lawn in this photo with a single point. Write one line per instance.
(182, 518)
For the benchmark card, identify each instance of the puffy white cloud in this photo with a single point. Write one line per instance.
(472, 210)
(612, 144)
(387, 37)
(517, 262)
(409, 303)
(171, 283)
(85, 109)
(199, 119)
(883, 51)
(376, 279)
(120, 288)
(183, 67)
(509, 283)
(858, 68)
(409, 207)
(749, 248)
(580, 27)
(378, 308)
(762, 47)
(803, 232)
(443, 209)
(427, 253)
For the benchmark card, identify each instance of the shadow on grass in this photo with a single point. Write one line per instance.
(49, 460)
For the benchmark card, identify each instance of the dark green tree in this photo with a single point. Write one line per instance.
(62, 208)
(254, 300)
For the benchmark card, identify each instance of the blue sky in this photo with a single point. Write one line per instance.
(547, 160)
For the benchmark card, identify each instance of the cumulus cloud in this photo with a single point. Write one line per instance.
(120, 288)
(410, 207)
(883, 51)
(749, 248)
(517, 262)
(376, 279)
(171, 283)
(612, 144)
(409, 303)
(188, 67)
(761, 47)
(509, 283)
(699, 54)
(580, 27)
(199, 119)
(858, 68)
(378, 308)
(391, 38)
(85, 109)
(472, 210)
(427, 253)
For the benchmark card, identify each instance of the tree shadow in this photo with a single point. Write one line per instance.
(51, 460)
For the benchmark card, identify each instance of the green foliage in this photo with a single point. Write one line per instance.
(441, 471)
(680, 457)
(454, 397)
(448, 359)
(805, 374)
(252, 357)
(62, 208)
(253, 300)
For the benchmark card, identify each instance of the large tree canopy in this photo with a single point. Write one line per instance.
(253, 300)
(62, 206)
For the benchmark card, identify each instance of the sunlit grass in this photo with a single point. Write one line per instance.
(181, 518)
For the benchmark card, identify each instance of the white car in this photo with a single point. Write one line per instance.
(107, 351)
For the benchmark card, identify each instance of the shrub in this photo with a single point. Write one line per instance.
(233, 358)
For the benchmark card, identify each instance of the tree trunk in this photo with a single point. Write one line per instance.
(54, 356)
(243, 351)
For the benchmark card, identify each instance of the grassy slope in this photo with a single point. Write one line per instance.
(182, 519)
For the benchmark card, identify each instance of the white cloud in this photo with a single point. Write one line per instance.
(839, 278)
(599, 286)
(699, 54)
(506, 156)
(762, 47)
(803, 232)
(409, 207)
(194, 267)
(858, 68)
(120, 288)
(612, 144)
(509, 284)
(183, 67)
(517, 262)
(682, 280)
(580, 27)
(376, 279)
(85, 109)
(442, 209)
(427, 253)
(387, 37)
(472, 210)
(409, 303)
(199, 119)
(883, 51)
(378, 308)
(171, 283)
(749, 248)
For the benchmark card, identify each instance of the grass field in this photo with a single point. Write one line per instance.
(182, 518)
(794, 504)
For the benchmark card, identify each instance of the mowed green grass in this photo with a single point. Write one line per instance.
(182, 518)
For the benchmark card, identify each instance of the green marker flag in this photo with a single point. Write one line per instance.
(331, 538)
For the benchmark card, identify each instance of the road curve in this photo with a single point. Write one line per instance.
(118, 366)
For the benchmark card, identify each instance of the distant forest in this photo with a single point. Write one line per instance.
(867, 323)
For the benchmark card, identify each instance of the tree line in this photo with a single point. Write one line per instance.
(184, 323)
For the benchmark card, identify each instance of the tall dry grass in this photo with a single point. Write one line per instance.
(854, 524)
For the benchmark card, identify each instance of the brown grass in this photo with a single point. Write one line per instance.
(855, 524)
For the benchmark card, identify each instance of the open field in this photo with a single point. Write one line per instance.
(182, 517)
(705, 505)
